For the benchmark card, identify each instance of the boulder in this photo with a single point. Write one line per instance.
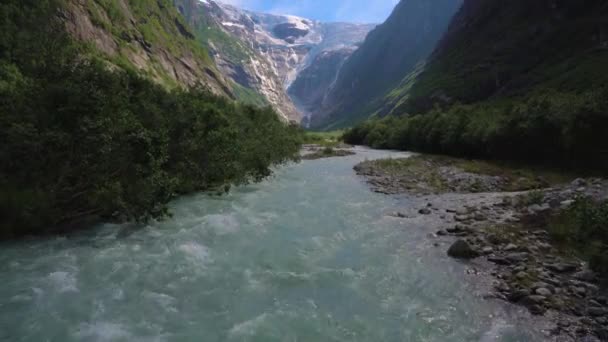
(425, 211)
(462, 250)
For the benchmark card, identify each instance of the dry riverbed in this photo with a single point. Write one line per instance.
(494, 217)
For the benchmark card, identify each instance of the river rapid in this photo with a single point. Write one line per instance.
(309, 254)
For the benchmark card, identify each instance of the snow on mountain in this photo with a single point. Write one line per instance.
(279, 48)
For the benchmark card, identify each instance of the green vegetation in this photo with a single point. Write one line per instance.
(79, 141)
(565, 129)
(147, 34)
(422, 173)
(584, 228)
(327, 152)
(328, 139)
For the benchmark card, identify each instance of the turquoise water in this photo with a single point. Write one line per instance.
(307, 255)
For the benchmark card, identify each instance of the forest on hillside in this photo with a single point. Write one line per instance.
(82, 141)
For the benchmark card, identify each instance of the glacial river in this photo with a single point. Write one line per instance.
(309, 254)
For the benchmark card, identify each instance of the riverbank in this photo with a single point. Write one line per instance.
(495, 218)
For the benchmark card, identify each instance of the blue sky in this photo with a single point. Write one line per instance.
(361, 11)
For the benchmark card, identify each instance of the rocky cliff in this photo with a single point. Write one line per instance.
(264, 54)
(147, 36)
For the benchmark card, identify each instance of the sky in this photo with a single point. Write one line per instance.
(359, 11)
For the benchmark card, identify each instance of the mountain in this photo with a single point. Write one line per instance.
(384, 62)
(150, 37)
(516, 80)
(264, 54)
(553, 44)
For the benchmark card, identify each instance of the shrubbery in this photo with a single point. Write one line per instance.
(79, 141)
(584, 226)
(549, 127)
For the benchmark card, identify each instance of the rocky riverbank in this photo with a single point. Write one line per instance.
(313, 152)
(496, 220)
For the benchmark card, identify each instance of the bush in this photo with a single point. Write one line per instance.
(78, 141)
(585, 227)
(548, 127)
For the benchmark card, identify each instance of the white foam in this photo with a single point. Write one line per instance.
(194, 250)
(102, 331)
(222, 224)
(63, 281)
(248, 328)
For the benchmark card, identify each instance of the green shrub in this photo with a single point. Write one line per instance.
(584, 226)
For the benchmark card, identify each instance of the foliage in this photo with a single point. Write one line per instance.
(79, 141)
(585, 227)
(328, 139)
(548, 127)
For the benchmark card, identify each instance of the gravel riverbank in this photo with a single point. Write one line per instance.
(495, 222)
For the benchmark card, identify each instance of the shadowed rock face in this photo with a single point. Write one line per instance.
(312, 84)
(289, 32)
(267, 53)
(389, 54)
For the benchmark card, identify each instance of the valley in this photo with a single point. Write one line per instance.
(224, 170)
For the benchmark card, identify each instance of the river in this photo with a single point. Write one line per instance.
(309, 254)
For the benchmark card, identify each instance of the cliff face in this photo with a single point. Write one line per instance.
(509, 48)
(264, 54)
(310, 88)
(389, 54)
(148, 36)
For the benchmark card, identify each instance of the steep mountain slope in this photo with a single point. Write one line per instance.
(148, 36)
(508, 49)
(310, 88)
(388, 55)
(519, 80)
(265, 53)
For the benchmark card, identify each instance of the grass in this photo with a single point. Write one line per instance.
(424, 172)
(326, 139)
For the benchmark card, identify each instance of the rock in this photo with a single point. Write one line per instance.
(462, 250)
(510, 247)
(517, 295)
(596, 311)
(398, 214)
(425, 211)
(521, 275)
(457, 229)
(487, 250)
(480, 217)
(459, 218)
(567, 203)
(442, 233)
(537, 208)
(543, 292)
(561, 267)
(429, 205)
(585, 275)
(534, 299)
(517, 257)
(499, 260)
(579, 182)
(536, 309)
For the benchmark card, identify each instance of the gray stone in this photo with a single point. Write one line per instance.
(425, 211)
(596, 311)
(543, 292)
(510, 247)
(585, 275)
(517, 257)
(499, 260)
(442, 233)
(462, 250)
(487, 250)
(561, 267)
